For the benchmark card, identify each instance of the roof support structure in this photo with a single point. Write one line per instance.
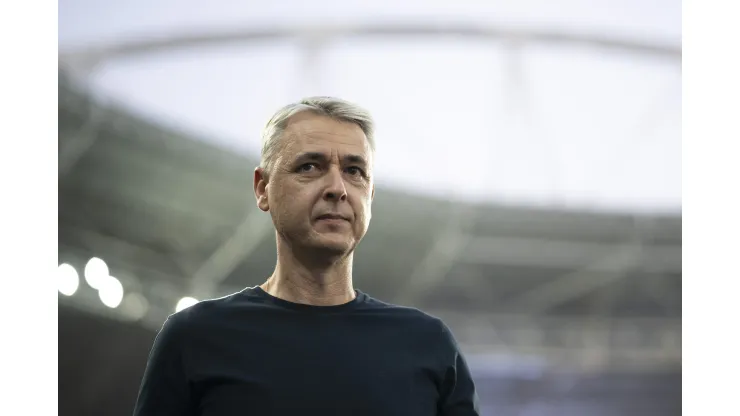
(78, 60)
(233, 250)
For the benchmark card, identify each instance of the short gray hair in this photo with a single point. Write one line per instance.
(335, 108)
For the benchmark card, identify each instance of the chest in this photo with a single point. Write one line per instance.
(314, 369)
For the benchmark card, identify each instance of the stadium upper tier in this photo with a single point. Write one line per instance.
(185, 212)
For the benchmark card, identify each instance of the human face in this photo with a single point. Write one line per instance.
(320, 188)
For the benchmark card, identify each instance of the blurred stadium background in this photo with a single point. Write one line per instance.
(529, 182)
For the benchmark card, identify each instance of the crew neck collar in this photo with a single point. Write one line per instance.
(360, 297)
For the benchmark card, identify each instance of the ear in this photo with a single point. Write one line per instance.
(260, 189)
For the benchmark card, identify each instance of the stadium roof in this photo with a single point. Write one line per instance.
(174, 216)
(574, 105)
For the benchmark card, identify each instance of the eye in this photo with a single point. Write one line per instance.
(307, 167)
(355, 171)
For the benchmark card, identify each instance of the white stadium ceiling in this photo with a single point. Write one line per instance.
(573, 104)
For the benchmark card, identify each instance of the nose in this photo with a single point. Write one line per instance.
(335, 190)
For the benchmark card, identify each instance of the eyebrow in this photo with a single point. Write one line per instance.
(321, 157)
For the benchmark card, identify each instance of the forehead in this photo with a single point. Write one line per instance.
(308, 132)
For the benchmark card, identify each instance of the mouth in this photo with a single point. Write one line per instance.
(331, 217)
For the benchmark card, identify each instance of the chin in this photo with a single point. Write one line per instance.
(336, 244)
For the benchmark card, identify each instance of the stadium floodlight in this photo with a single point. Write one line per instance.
(185, 302)
(96, 272)
(67, 280)
(134, 306)
(110, 292)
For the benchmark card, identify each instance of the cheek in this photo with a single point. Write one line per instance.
(365, 210)
(294, 202)
(279, 201)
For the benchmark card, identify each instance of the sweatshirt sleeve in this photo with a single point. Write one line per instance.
(458, 396)
(165, 388)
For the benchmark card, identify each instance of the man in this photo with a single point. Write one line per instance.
(306, 342)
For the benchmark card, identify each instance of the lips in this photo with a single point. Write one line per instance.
(331, 217)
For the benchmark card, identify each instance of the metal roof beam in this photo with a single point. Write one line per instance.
(83, 60)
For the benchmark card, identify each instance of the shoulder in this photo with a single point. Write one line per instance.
(422, 329)
(414, 318)
(206, 312)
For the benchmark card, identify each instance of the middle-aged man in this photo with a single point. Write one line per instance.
(305, 342)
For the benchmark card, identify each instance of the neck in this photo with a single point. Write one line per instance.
(312, 279)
